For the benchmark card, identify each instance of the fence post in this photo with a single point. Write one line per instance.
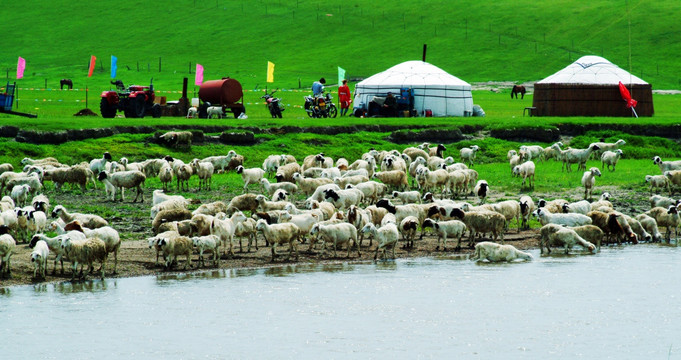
(159, 64)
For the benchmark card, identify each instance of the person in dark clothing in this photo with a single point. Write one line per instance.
(390, 106)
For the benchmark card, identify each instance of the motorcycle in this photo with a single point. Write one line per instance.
(320, 106)
(273, 104)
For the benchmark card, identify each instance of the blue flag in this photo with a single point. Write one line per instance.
(114, 66)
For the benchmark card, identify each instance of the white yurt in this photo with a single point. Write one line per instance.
(433, 89)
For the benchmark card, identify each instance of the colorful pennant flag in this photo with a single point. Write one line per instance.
(341, 75)
(270, 72)
(114, 66)
(21, 66)
(198, 78)
(93, 60)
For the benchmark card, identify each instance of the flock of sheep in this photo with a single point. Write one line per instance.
(384, 196)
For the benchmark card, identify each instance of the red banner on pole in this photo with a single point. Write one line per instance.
(93, 59)
(627, 96)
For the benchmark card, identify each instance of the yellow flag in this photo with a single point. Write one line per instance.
(270, 72)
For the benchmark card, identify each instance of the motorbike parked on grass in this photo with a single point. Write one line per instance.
(273, 104)
(320, 106)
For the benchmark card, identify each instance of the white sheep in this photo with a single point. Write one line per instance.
(407, 197)
(650, 225)
(414, 153)
(457, 182)
(271, 164)
(343, 182)
(604, 146)
(266, 205)
(372, 190)
(225, 228)
(447, 229)
(395, 178)
(553, 152)
(610, 158)
(109, 235)
(172, 247)
(39, 258)
(85, 252)
(123, 180)
(20, 193)
(207, 242)
(533, 151)
(482, 222)
(468, 154)
(337, 234)
(221, 162)
(87, 220)
(7, 247)
(580, 207)
(546, 217)
(577, 156)
(270, 188)
(214, 112)
(278, 234)
(589, 180)
(250, 176)
(562, 236)
(436, 162)
(308, 185)
(386, 236)
(494, 252)
(37, 221)
(526, 171)
(159, 196)
(434, 179)
(667, 165)
(662, 201)
(204, 171)
(368, 165)
(343, 199)
(192, 112)
(658, 181)
(99, 165)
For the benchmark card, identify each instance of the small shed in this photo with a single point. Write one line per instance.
(590, 87)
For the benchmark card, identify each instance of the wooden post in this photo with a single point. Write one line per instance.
(45, 83)
(86, 96)
(159, 64)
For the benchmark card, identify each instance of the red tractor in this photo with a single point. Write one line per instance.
(135, 101)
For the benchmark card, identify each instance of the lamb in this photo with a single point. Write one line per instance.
(658, 181)
(610, 158)
(666, 165)
(674, 177)
(561, 236)
(32, 180)
(395, 178)
(533, 151)
(650, 225)
(204, 171)
(123, 180)
(315, 160)
(494, 252)
(387, 237)
(407, 197)
(88, 220)
(589, 180)
(546, 217)
(513, 160)
(177, 138)
(164, 216)
(271, 163)
(7, 246)
(553, 152)
(208, 242)
(331, 173)
(225, 228)
(578, 156)
(357, 172)
(447, 229)
(47, 160)
(76, 174)
(526, 209)
(481, 190)
(434, 179)
(266, 205)
(602, 202)
(99, 165)
(109, 235)
(525, 170)
(277, 234)
(85, 252)
(221, 162)
(580, 207)
(419, 162)
(246, 228)
(343, 199)
(152, 167)
(172, 247)
(183, 173)
(211, 208)
(303, 222)
(457, 182)
(39, 258)
(270, 188)
(19, 193)
(154, 242)
(192, 112)
(590, 233)
(468, 154)
(215, 112)
(201, 224)
(308, 185)
(668, 218)
(286, 172)
(377, 214)
(338, 234)
(6, 177)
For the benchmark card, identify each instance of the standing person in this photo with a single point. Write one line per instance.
(344, 97)
(318, 87)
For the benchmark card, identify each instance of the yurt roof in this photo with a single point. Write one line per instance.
(592, 70)
(414, 73)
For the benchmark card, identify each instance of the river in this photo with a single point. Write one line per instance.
(622, 303)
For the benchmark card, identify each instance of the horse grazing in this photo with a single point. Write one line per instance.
(518, 89)
(66, 82)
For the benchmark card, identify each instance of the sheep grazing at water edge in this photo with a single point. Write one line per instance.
(387, 237)
(494, 252)
(39, 258)
(278, 234)
(85, 252)
(337, 234)
(446, 229)
(557, 235)
(7, 247)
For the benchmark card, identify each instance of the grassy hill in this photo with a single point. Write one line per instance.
(522, 40)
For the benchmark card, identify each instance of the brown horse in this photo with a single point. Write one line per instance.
(66, 82)
(518, 89)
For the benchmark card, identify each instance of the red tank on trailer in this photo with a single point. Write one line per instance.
(226, 93)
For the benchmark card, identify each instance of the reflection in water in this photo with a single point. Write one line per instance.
(72, 287)
(181, 277)
(6, 291)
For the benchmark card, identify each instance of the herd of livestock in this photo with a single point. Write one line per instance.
(382, 197)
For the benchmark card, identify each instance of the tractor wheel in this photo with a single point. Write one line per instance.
(156, 111)
(107, 110)
(139, 106)
(333, 111)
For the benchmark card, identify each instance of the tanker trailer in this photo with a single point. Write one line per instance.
(225, 93)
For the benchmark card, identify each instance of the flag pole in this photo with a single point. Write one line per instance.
(634, 110)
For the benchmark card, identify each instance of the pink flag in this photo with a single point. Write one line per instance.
(93, 60)
(21, 66)
(198, 79)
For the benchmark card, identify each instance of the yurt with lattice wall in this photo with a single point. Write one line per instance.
(590, 87)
